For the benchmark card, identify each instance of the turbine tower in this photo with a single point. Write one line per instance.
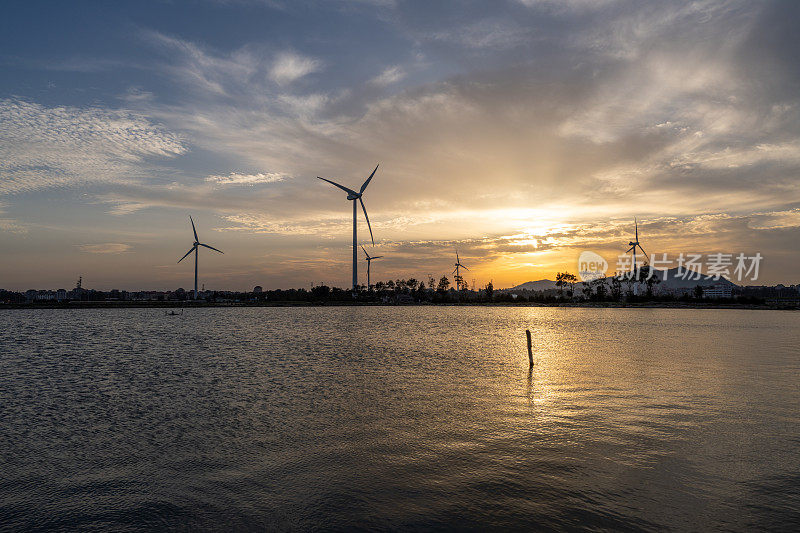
(195, 247)
(369, 263)
(457, 272)
(633, 245)
(353, 195)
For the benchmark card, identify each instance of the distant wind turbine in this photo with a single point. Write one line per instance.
(369, 263)
(456, 271)
(353, 195)
(633, 245)
(195, 248)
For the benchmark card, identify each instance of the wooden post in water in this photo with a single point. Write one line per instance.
(530, 350)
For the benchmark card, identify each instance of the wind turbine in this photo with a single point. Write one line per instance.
(456, 271)
(195, 247)
(633, 244)
(369, 263)
(353, 195)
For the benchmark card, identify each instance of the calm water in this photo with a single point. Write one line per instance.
(402, 418)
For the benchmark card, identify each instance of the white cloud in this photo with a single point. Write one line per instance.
(389, 76)
(135, 95)
(105, 248)
(575, 5)
(775, 220)
(8, 225)
(496, 35)
(248, 179)
(289, 66)
(45, 147)
(304, 106)
(205, 72)
(788, 152)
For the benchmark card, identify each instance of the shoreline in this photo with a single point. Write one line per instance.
(197, 305)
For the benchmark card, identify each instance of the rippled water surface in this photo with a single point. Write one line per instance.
(403, 418)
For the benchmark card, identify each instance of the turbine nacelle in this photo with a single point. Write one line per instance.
(458, 263)
(370, 257)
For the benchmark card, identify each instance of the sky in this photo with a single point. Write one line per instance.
(518, 132)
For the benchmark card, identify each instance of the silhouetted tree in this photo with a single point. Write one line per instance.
(489, 291)
(572, 280)
(565, 279)
(650, 278)
(698, 292)
(321, 292)
(561, 282)
(444, 284)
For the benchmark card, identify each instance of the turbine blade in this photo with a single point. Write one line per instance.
(187, 253)
(457, 259)
(632, 248)
(193, 229)
(211, 248)
(636, 225)
(345, 189)
(376, 257)
(465, 268)
(454, 270)
(645, 253)
(365, 253)
(364, 187)
(367, 217)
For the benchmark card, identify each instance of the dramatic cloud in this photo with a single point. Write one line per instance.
(521, 131)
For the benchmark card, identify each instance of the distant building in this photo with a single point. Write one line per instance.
(258, 289)
(717, 291)
(61, 294)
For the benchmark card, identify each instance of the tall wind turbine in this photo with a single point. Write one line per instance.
(456, 271)
(369, 263)
(356, 196)
(633, 245)
(195, 247)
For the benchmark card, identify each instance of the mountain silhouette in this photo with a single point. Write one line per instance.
(669, 279)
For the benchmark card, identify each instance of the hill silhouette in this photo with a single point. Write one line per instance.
(669, 279)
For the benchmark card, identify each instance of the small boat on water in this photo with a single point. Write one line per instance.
(173, 313)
